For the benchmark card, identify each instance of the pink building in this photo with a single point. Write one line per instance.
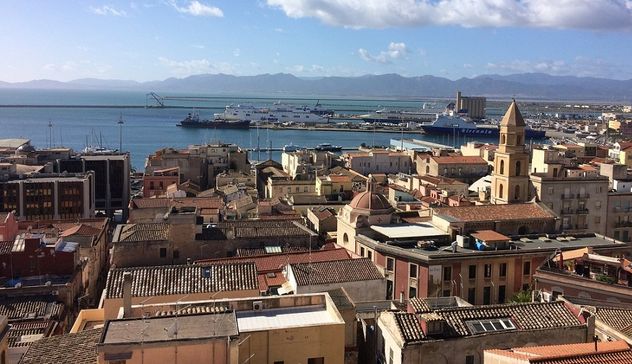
(156, 183)
(8, 226)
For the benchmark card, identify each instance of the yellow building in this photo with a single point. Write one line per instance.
(510, 180)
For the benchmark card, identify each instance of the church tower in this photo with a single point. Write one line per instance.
(510, 180)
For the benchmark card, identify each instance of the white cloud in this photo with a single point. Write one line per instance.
(195, 66)
(107, 10)
(578, 14)
(198, 46)
(236, 52)
(393, 52)
(279, 30)
(197, 8)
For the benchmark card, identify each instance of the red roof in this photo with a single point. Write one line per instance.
(584, 353)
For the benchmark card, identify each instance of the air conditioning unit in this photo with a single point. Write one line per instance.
(547, 297)
(257, 306)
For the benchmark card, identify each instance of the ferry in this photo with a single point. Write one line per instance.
(326, 147)
(398, 116)
(289, 148)
(277, 113)
(457, 124)
(193, 121)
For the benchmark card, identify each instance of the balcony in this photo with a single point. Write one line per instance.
(567, 211)
(583, 195)
(568, 196)
(582, 211)
(620, 224)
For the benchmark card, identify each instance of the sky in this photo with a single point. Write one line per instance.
(146, 40)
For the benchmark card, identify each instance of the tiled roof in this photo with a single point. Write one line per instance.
(489, 236)
(495, 212)
(336, 271)
(152, 203)
(459, 159)
(141, 232)
(581, 353)
(618, 319)
(409, 327)
(183, 279)
(527, 316)
(32, 327)
(323, 212)
(253, 229)
(419, 305)
(81, 229)
(249, 252)
(435, 180)
(275, 262)
(76, 348)
(30, 307)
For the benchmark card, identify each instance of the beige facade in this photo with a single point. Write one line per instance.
(619, 216)
(580, 202)
(462, 168)
(474, 107)
(510, 179)
(279, 188)
(375, 161)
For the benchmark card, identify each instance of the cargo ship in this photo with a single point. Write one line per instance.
(448, 124)
(193, 121)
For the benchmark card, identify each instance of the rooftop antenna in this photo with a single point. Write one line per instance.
(120, 124)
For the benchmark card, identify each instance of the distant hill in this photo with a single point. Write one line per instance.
(525, 86)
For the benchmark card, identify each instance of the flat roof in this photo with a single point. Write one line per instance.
(13, 143)
(403, 231)
(280, 318)
(164, 329)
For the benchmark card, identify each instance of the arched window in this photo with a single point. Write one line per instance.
(517, 193)
(500, 190)
(503, 139)
(502, 167)
(427, 169)
(518, 168)
(345, 238)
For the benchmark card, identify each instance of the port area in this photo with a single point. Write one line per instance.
(343, 128)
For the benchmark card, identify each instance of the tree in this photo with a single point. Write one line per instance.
(521, 297)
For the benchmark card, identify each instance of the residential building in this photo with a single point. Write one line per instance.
(50, 196)
(111, 178)
(465, 169)
(236, 178)
(621, 152)
(583, 273)
(473, 107)
(200, 164)
(33, 255)
(578, 197)
(305, 164)
(174, 283)
(340, 184)
(283, 187)
(65, 349)
(585, 353)
(485, 151)
(263, 170)
(359, 278)
(372, 161)
(8, 226)
(460, 335)
(510, 178)
(156, 182)
(322, 220)
(618, 214)
(144, 210)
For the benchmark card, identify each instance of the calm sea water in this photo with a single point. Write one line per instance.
(148, 129)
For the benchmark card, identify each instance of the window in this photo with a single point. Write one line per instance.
(390, 356)
(163, 252)
(526, 268)
(389, 290)
(469, 359)
(446, 293)
(412, 270)
(488, 270)
(597, 219)
(390, 264)
(517, 192)
(487, 295)
(501, 294)
(502, 167)
(525, 287)
(279, 362)
(472, 272)
(369, 254)
(500, 190)
(518, 166)
(361, 251)
(447, 273)
(482, 326)
(471, 295)
(412, 292)
(502, 272)
(320, 360)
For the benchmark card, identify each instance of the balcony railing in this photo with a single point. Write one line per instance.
(567, 196)
(582, 210)
(583, 195)
(619, 224)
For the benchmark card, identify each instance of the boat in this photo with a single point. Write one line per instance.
(289, 148)
(278, 112)
(398, 116)
(193, 121)
(461, 125)
(326, 147)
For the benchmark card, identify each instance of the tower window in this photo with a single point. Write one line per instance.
(518, 168)
(503, 139)
(502, 167)
(500, 190)
(517, 193)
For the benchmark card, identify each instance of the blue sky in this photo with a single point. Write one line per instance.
(156, 39)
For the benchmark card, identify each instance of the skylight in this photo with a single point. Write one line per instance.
(491, 325)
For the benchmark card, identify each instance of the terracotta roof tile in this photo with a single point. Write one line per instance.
(336, 271)
(459, 159)
(6, 246)
(31, 307)
(141, 232)
(409, 327)
(489, 236)
(582, 353)
(76, 348)
(152, 203)
(276, 262)
(31, 327)
(618, 319)
(495, 212)
(183, 279)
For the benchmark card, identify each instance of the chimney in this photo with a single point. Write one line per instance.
(401, 297)
(596, 339)
(127, 294)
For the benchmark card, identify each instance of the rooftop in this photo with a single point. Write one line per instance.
(335, 271)
(31, 307)
(459, 159)
(494, 212)
(403, 231)
(582, 353)
(201, 203)
(279, 318)
(183, 279)
(164, 329)
(141, 232)
(253, 229)
(76, 348)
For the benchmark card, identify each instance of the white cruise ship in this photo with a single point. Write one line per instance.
(281, 113)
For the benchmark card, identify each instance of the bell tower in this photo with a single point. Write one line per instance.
(510, 180)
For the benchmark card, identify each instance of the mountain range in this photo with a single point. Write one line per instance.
(524, 86)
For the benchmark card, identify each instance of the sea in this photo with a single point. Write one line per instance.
(80, 118)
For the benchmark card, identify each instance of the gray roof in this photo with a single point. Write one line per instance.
(335, 271)
(31, 307)
(183, 279)
(162, 329)
(76, 348)
(617, 318)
